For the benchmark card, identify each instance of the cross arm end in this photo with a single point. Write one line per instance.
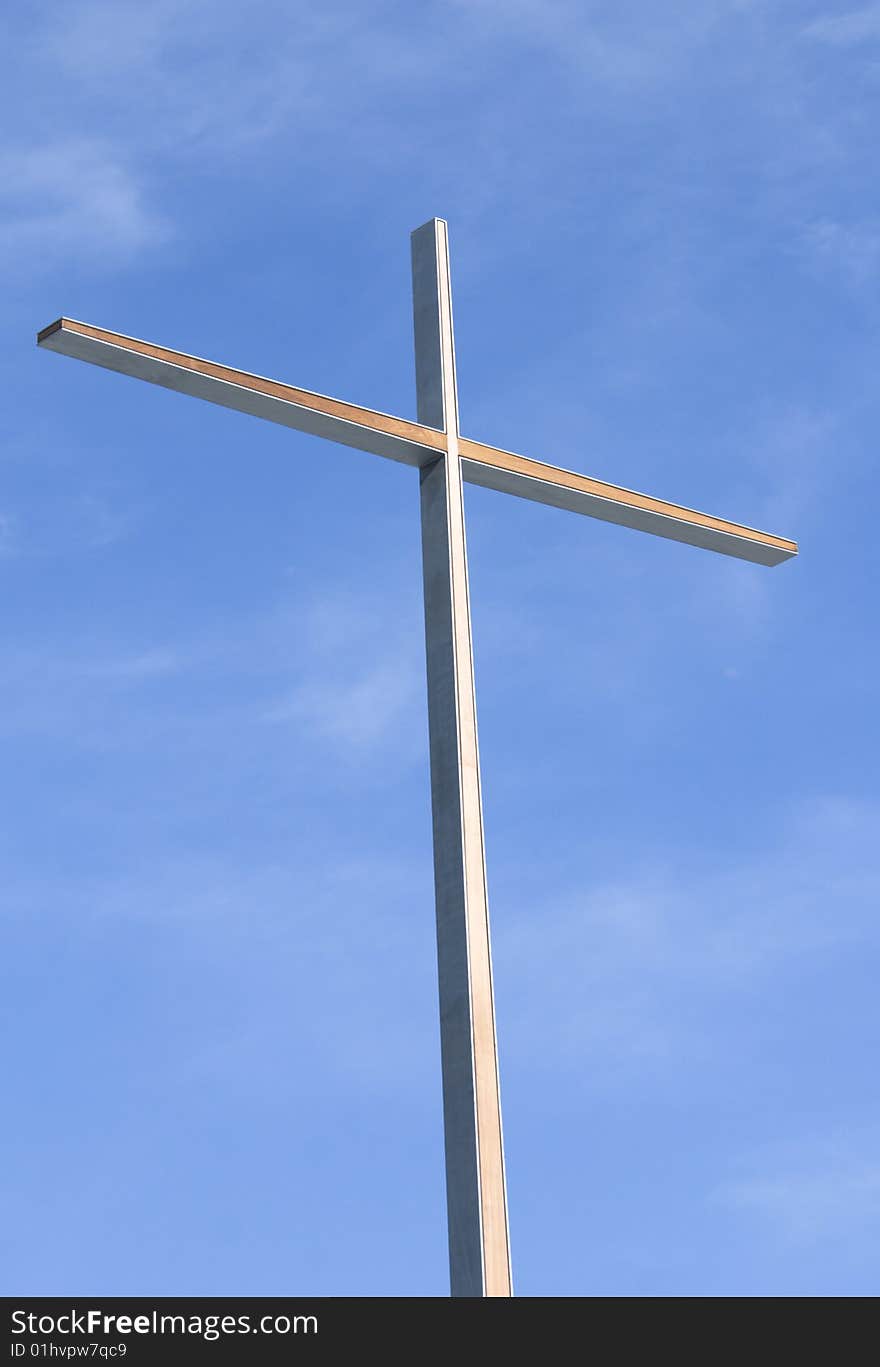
(45, 333)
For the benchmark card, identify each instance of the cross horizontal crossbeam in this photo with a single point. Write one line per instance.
(409, 442)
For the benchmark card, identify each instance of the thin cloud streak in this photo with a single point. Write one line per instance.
(629, 963)
(74, 198)
(846, 30)
(324, 671)
(849, 250)
(810, 1191)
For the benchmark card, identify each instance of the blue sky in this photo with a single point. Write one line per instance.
(219, 984)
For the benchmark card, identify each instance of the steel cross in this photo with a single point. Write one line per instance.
(479, 1252)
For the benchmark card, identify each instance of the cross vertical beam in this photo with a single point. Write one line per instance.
(479, 1252)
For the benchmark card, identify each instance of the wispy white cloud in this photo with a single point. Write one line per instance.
(626, 965)
(77, 693)
(844, 30)
(98, 40)
(212, 79)
(64, 522)
(358, 711)
(327, 670)
(149, 91)
(785, 447)
(73, 198)
(814, 1190)
(318, 916)
(95, 520)
(629, 45)
(850, 250)
(359, 679)
(148, 664)
(615, 54)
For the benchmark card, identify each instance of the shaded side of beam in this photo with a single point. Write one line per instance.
(511, 474)
(298, 408)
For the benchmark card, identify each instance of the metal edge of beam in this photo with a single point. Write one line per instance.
(194, 383)
(624, 514)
